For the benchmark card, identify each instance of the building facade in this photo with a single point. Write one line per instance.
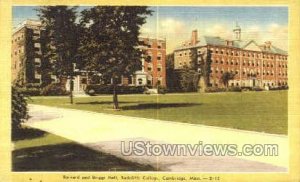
(153, 71)
(27, 52)
(253, 64)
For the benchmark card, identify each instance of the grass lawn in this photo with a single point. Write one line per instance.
(254, 111)
(40, 151)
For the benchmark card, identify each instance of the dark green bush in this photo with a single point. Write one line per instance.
(33, 85)
(30, 91)
(162, 90)
(214, 89)
(94, 89)
(284, 87)
(19, 111)
(257, 89)
(54, 89)
(234, 89)
(220, 89)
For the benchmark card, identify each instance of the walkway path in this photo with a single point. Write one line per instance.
(104, 132)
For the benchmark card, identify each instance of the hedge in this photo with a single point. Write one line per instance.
(218, 89)
(94, 89)
(54, 89)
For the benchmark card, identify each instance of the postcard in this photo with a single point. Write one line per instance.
(150, 91)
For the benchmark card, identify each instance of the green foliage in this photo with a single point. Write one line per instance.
(94, 89)
(60, 38)
(219, 89)
(110, 40)
(214, 89)
(19, 111)
(54, 89)
(188, 80)
(30, 91)
(112, 51)
(226, 77)
(162, 90)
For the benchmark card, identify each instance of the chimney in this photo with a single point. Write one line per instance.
(268, 44)
(194, 40)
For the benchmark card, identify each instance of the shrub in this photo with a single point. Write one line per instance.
(214, 89)
(234, 89)
(94, 89)
(284, 87)
(19, 111)
(29, 91)
(33, 85)
(257, 89)
(54, 89)
(162, 90)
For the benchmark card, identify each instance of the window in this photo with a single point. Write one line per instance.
(149, 68)
(158, 82)
(140, 81)
(84, 81)
(149, 58)
(158, 58)
(158, 69)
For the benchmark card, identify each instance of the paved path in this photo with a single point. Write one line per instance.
(104, 132)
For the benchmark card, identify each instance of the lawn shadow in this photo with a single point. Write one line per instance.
(26, 133)
(103, 102)
(158, 106)
(70, 157)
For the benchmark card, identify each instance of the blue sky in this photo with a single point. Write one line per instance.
(175, 23)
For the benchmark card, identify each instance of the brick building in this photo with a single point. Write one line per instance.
(254, 65)
(26, 52)
(153, 71)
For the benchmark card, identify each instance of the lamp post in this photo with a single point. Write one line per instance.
(72, 82)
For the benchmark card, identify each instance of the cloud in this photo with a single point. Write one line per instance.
(171, 26)
(219, 30)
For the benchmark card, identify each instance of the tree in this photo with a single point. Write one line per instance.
(171, 78)
(61, 40)
(110, 41)
(19, 111)
(188, 79)
(226, 77)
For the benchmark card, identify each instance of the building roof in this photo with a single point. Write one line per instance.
(28, 23)
(217, 41)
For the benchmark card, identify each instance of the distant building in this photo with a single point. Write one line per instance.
(253, 64)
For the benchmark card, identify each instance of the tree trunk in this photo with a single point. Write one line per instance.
(71, 90)
(115, 97)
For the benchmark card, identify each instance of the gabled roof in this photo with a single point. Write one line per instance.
(217, 41)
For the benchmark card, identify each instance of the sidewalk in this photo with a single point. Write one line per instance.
(104, 132)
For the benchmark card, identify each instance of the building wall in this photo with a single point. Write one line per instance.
(266, 69)
(154, 67)
(17, 53)
(26, 52)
